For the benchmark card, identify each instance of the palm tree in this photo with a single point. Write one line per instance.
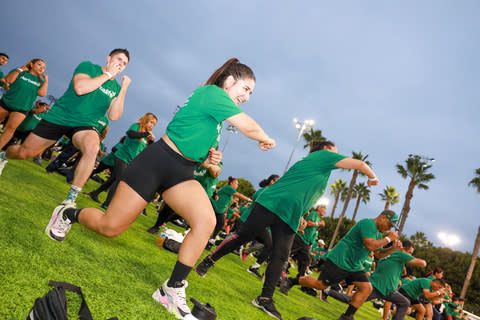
(390, 196)
(336, 189)
(419, 239)
(475, 182)
(312, 135)
(416, 169)
(358, 156)
(362, 193)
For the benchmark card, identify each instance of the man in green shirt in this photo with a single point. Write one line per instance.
(430, 289)
(92, 92)
(345, 260)
(386, 277)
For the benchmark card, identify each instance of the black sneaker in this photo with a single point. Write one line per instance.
(154, 230)
(285, 285)
(324, 295)
(255, 272)
(268, 306)
(203, 266)
(309, 291)
(344, 317)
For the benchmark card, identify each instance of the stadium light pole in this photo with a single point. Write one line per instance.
(301, 127)
(231, 129)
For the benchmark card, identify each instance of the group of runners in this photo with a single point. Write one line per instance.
(175, 166)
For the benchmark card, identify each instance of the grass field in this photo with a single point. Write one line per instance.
(118, 275)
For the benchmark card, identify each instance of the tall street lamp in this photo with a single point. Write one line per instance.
(231, 129)
(301, 127)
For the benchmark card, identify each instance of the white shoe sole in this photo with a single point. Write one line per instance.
(52, 220)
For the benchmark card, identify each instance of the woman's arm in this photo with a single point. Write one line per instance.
(251, 129)
(12, 76)
(241, 196)
(349, 163)
(42, 91)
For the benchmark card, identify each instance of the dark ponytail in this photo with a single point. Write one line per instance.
(320, 145)
(232, 67)
(268, 181)
(231, 179)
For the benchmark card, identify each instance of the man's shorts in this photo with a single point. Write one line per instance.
(331, 274)
(52, 131)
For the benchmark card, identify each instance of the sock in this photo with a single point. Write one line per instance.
(256, 265)
(73, 192)
(294, 281)
(3, 156)
(350, 311)
(72, 214)
(180, 272)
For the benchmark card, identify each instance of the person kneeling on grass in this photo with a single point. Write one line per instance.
(345, 260)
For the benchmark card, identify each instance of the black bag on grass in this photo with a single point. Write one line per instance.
(53, 305)
(172, 245)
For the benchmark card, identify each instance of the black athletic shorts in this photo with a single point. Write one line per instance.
(52, 131)
(331, 274)
(156, 169)
(10, 109)
(412, 301)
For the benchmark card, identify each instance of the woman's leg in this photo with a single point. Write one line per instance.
(282, 238)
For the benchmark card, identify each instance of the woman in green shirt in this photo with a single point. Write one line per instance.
(281, 207)
(26, 83)
(167, 167)
(138, 136)
(220, 206)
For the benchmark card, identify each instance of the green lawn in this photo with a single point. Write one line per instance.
(119, 275)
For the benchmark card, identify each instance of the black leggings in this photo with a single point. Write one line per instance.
(300, 251)
(220, 223)
(118, 169)
(165, 214)
(282, 238)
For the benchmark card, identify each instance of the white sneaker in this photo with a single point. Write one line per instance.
(59, 225)
(2, 165)
(174, 299)
(69, 203)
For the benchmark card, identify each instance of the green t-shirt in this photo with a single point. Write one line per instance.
(225, 197)
(300, 187)
(196, 127)
(386, 276)
(350, 253)
(23, 92)
(131, 148)
(248, 210)
(309, 234)
(73, 110)
(2, 75)
(414, 288)
(203, 176)
(102, 124)
(230, 212)
(30, 122)
(108, 160)
(368, 264)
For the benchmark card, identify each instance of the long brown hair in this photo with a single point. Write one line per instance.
(233, 68)
(145, 119)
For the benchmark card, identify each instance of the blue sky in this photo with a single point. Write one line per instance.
(385, 78)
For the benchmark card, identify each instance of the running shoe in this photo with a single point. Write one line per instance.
(285, 285)
(268, 306)
(153, 230)
(344, 317)
(255, 272)
(69, 203)
(174, 299)
(203, 266)
(59, 224)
